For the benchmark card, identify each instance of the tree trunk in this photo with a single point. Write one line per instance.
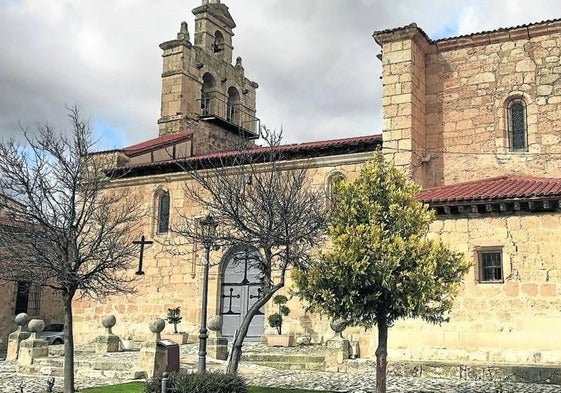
(239, 337)
(68, 345)
(381, 357)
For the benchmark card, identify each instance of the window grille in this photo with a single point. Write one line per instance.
(518, 130)
(490, 266)
(163, 213)
(28, 298)
(34, 302)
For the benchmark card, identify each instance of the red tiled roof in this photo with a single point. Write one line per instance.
(498, 188)
(156, 142)
(470, 35)
(297, 147)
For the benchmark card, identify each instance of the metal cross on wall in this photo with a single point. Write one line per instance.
(142, 242)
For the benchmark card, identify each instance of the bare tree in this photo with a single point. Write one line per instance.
(70, 232)
(262, 201)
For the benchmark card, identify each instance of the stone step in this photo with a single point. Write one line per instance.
(287, 361)
(106, 364)
(58, 371)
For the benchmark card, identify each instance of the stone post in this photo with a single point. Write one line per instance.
(33, 347)
(152, 358)
(107, 342)
(15, 338)
(338, 348)
(217, 345)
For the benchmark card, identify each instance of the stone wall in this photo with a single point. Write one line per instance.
(512, 322)
(468, 81)
(173, 279)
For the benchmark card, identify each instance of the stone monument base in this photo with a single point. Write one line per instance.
(218, 348)
(337, 352)
(108, 343)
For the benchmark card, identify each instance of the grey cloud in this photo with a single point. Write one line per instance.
(314, 60)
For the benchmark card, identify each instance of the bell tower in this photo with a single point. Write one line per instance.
(214, 29)
(202, 91)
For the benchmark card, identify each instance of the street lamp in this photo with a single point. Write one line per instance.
(208, 232)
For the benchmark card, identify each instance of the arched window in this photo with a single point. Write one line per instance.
(233, 101)
(218, 45)
(332, 180)
(206, 94)
(517, 125)
(163, 212)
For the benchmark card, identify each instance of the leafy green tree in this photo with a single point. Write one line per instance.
(381, 267)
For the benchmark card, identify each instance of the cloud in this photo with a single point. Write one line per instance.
(315, 60)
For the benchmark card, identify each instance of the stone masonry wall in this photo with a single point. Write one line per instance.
(512, 322)
(468, 83)
(174, 279)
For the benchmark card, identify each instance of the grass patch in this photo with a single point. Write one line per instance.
(138, 387)
(133, 387)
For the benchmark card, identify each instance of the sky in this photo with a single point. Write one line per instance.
(315, 60)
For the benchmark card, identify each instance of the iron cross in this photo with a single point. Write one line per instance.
(142, 242)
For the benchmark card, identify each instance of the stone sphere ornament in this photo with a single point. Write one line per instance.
(36, 326)
(338, 325)
(157, 325)
(215, 323)
(21, 319)
(108, 322)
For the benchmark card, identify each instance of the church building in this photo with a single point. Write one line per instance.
(475, 120)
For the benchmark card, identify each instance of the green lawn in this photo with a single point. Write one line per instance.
(138, 387)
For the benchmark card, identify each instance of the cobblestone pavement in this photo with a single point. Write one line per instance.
(10, 381)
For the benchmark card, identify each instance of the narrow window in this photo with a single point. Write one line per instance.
(206, 94)
(490, 266)
(231, 107)
(332, 181)
(517, 127)
(28, 297)
(163, 212)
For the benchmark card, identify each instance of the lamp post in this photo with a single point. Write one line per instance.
(208, 231)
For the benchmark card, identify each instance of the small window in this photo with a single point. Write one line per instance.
(332, 181)
(517, 125)
(163, 212)
(490, 266)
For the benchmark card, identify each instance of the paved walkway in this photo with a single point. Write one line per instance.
(10, 381)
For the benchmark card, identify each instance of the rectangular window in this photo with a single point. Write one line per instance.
(27, 298)
(490, 266)
(22, 296)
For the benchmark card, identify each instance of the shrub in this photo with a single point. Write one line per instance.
(211, 382)
(275, 320)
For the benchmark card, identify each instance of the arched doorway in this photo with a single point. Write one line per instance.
(241, 287)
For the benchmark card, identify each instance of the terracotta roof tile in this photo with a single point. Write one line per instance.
(160, 141)
(498, 188)
(298, 147)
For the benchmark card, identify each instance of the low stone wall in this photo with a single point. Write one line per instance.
(465, 371)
